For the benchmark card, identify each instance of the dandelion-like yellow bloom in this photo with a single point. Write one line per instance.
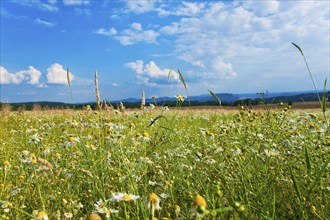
(42, 215)
(146, 135)
(177, 210)
(94, 216)
(153, 203)
(198, 207)
(199, 201)
(313, 209)
(153, 199)
(71, 139)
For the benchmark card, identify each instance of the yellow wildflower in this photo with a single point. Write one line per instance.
(94, 216)
(153, 203)
(198, 207)
(42, 215)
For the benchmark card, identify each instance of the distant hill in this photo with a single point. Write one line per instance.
(228, 99)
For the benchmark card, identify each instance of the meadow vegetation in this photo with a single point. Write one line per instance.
(165, 164)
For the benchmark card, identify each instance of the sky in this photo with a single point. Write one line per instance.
(222, 46)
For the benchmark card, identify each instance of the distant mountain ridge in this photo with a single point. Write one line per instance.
(228, 98)
(224, 97)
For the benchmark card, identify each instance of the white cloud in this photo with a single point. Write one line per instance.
(7, 78)
(45, 23)
(150, 74)
(137, 66)
(103, 31)
(139, 6)
(136, 26)
(244, 39)
(57, 75)
(222, 68)
(189, 9)
(38, 4)
(32, 76)
(262, 8)
(131, 36)
(76, 2)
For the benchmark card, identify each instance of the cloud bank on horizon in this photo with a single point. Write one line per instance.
(225, 46)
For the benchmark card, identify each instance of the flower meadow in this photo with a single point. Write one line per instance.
(171, 164)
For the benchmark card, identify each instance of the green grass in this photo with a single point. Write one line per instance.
(246, 164)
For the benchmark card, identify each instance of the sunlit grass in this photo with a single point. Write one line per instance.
(243, 164)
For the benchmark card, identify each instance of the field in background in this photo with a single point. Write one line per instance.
(212, 163)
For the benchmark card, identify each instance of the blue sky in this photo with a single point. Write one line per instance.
(223, 46)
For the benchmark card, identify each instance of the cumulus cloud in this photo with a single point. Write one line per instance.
(31, 76)
(49, 6)
(45, 23)
(222, 68)
(106, 32)
(189, 9)
(150, 74)
(57, 75)
(139, 6)
(241, 39)
(76, 2)
(130, 36)
(262, 8)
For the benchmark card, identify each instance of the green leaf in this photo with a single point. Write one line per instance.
(298, 48)
(215, 96)
(169, 74)
(295, 185)
(158, 117)
(317, 179)
(182, 79)
(308, 163)
(224, 209)
(324, 97)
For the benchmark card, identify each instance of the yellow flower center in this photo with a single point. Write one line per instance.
(153, 197)
(72, 139)
(127, 198)
(94, 216)
(271, 153)
(199, 201)
(42, 215)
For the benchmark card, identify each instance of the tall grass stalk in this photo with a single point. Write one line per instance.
(98, 102)
(323, 100)
(309, 71)
(143, 100)
(184, 84)
(215, 97)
